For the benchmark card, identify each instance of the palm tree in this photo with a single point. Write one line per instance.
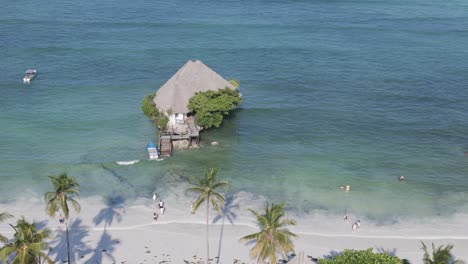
(27, 246)
(441, 255)
(273, 237)
(4, 216)
(206, 188)
(66, 190)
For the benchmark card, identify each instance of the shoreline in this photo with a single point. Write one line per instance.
(125, 232)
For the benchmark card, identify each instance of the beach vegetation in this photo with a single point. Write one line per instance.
(150, 110)
(363, 257)
(65, 192)
(210, 107)
(4, 216)
(274, 238)
(440, 255)
(27, 246)
(207, 189)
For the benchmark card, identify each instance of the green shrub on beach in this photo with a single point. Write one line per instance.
(210, 107)
(151, 111)
(362, 257)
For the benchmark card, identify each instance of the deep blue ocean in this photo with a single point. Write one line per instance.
(335, 93)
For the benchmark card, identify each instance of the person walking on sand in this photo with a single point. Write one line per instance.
(161, 206)
(356, 225)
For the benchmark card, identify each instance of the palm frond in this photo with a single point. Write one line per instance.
(272, 239)
(27, 245)
(221, 184)
(3, 239)
(253, 236)
(200, 200)
(6, 251)
(196, 189)
(4, 216)
(75, 204)
(440, 255)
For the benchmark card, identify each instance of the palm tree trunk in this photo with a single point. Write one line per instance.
(220, 239)
(68, 242)
(207, 230)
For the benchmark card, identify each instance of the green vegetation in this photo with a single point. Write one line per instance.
(4, 216)
(211, 106)
(362, 257)
(234, 82)
(151, 111)
(273, 238)
(65, 190)
(27, 245)
(441, 255)
(206, 188)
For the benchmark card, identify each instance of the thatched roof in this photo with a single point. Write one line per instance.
(193, 77)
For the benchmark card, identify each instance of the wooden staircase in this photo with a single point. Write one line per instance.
(165, 144)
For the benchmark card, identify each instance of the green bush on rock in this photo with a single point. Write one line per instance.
(211, 106)
(149, 109)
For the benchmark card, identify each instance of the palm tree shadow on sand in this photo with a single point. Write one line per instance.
(79, 249)
(105, 246)
(114, 211)
(228, 213)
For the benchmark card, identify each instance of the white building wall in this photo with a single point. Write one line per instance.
(176, 119)
(172, 120)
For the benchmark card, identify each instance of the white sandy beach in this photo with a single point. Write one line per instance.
(128, 234)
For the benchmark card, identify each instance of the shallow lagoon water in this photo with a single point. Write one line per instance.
(334, 92)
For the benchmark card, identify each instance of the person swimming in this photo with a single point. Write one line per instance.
(401, 178)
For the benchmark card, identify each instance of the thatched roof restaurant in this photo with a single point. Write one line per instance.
(173, 99)
(193, 77)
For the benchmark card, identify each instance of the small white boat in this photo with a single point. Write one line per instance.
(153, 152)
(29, 75)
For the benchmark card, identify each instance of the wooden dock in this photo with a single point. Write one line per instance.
(165, 144)
(166, 138)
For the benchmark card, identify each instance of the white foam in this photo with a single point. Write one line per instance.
(126, 163)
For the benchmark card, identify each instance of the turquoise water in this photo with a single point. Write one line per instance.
(335, 93)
